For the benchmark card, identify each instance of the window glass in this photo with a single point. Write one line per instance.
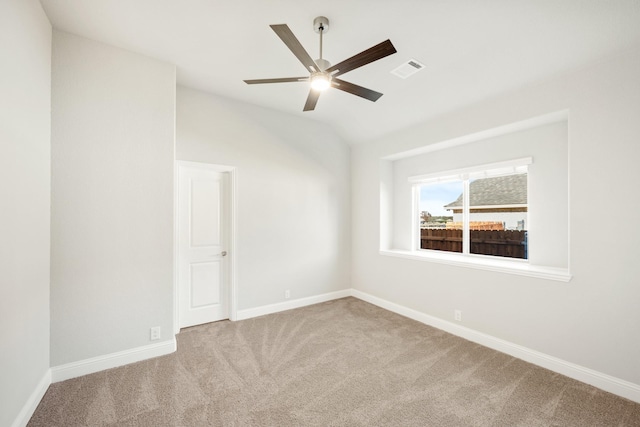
(437, 224)
(492, 222)
(498, 216)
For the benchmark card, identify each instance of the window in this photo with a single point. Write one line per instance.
(411, 179)
(476, 211)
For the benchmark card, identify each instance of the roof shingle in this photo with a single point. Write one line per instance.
(501, 190)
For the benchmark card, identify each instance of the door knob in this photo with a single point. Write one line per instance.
(223, 253)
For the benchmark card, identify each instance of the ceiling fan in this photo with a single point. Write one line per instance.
(322, 74)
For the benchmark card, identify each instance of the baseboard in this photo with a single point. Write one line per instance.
(34, 400)
(597, 379)
(113, 360)
(288, 305)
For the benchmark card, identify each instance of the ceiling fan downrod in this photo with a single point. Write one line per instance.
(321, 26)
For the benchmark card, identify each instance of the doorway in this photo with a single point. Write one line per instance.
(204, 244)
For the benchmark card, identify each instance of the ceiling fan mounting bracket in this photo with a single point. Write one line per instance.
(321, 22)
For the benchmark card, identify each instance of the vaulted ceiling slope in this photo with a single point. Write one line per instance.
(472, 50)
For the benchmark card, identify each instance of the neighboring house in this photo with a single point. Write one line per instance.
(499, 199)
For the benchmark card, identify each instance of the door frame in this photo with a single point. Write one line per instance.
(232, 249)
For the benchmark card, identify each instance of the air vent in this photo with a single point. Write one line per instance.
(407, 69)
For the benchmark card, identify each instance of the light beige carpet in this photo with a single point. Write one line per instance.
(340, 363)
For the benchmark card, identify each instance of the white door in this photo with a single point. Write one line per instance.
(203, 218)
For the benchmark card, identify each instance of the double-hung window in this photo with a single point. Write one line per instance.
(481, 210)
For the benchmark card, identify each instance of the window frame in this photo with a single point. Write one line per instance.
(490, 170)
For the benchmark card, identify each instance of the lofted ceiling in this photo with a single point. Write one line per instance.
(472, 49)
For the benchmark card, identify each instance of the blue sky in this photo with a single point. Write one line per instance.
(434, 196)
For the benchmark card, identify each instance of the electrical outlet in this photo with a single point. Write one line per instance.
(155, 333)
(287, 294)
(457, 314)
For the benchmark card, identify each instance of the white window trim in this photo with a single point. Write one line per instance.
(466, 259)
(480, 171)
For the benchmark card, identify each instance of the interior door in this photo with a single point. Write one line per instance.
(203, 195)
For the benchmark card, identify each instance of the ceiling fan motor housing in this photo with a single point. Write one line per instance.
(323, 64)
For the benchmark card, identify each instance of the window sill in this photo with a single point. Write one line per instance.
(502, 266)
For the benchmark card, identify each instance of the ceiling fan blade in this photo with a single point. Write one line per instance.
(360, 91)
(283, 31)
(379, 51)
(312, 100)
(282, 80)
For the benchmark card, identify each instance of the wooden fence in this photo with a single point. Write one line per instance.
(504, 243)
(477, 225)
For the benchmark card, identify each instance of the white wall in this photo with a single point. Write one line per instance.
(112, 205)
(293, 194)
(25, 84)
(591, 321)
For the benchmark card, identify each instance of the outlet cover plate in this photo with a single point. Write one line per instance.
(155, 333)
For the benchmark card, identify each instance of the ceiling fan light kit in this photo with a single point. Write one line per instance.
(323, 75)
(320, 80)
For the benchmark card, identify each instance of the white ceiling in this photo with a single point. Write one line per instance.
(472, 49)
